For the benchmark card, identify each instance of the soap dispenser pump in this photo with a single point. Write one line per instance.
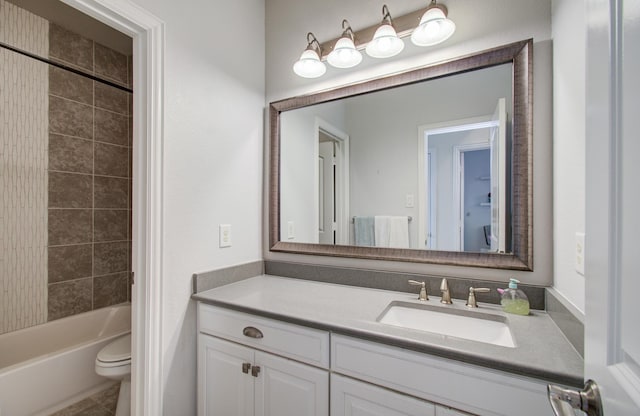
(514, 300)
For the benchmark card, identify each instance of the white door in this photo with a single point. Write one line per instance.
(498, 158)
(326, 196)
(612, 335)
(355, 398)
(284, 387)
(223, 388)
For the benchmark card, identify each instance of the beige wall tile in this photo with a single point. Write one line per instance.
(70, 262)
(111, 127)
(110, 225)
(70, 154)
(70, 118)
(111, 98)
(111, 192)
(111, 64)
(110, 258)
(110, 289)
(70, 190)
(69, 47)
(66, 84)
(70, 226)
(70, 298)
(111, 160)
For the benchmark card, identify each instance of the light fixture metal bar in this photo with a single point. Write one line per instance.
(404, 25)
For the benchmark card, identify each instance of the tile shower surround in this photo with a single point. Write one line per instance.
(89, 177)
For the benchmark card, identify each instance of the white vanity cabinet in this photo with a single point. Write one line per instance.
(284, 371)
(249, 365)
(351, 397)
(452, 384)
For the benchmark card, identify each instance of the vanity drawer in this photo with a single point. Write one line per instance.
(300, 343)
(463, 386)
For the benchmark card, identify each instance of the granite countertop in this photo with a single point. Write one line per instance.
(541, 349)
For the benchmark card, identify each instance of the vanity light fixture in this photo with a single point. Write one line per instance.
(309, 65)
(435, 27)
(345, 54)
(385, 42)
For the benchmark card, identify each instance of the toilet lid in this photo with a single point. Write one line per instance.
(118, 350)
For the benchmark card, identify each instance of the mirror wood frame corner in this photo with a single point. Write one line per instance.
(520, 55)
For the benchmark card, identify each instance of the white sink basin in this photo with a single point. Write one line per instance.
(471, 325)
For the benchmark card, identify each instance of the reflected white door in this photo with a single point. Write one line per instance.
(612, 335)
(327, 194)
(498, 157)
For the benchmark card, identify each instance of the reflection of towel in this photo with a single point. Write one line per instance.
(364, 231)
(392, 231)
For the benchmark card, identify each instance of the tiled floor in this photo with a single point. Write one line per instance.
(102, 403)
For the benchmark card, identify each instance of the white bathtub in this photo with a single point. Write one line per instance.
(46, 367)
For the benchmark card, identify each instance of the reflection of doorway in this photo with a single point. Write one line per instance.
(332, 184)
(463, 198)
(327, 188)
(439, 213)
(475, 188)
(432, 190)
(437, 207)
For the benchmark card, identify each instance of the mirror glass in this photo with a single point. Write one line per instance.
(416, 167)
(431, 165)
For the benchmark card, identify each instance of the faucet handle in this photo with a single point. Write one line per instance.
(446, 294)
(471, 302)
(423, 289)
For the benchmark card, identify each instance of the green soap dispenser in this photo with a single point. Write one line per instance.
(514, 300)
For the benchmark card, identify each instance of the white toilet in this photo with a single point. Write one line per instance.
(114, 362)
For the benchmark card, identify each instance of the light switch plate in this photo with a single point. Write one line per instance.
(291, 230)
(409, 201)
(579, 254)
(225, 235)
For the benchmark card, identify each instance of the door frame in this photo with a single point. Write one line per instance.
(424, 131)
(458, 186)
(342, 178)
(147, 32)
(605, 298)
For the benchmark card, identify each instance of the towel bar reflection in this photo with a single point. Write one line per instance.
(353, 219)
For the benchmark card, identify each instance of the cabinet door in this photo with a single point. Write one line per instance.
(287, 388)
(223, 388)
(355, 398)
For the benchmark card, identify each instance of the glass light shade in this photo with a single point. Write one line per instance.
(434, 28)
(344, 54)
(309, 65)
(385, 43)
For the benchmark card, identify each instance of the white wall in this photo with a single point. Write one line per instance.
(569, 42)
(481, 25)
(212, 166)
(299, 158)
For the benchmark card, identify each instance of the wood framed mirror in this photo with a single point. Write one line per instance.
(296, 219)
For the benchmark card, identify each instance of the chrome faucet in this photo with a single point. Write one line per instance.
(423, 290)
(471, 302)
(446, 294)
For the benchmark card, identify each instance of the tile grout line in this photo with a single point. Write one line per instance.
(94, 105)
(93, 172)
(87, 140)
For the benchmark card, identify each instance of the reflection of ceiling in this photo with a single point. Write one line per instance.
(78, 22)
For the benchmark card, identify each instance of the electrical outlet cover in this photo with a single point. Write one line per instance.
(579, 254)
(225, 235)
